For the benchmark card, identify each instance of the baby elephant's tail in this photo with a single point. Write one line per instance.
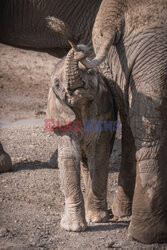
(63, 29)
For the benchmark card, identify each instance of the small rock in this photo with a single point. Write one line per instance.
(3, 232)
(41, 245)
(39, 113)
(115, 218)
(111, 245)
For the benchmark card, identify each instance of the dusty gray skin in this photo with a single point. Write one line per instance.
(130, 42)
(76, 94)
(5, 160)
(22, 22)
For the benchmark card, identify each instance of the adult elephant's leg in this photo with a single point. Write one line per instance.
(96, 190)
(122, 203)
(148, 116)
(69, 164)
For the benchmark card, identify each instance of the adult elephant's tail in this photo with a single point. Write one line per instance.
(63, 29)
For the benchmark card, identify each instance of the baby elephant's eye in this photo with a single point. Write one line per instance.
(56, 81)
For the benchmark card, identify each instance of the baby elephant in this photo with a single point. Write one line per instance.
(82, 107)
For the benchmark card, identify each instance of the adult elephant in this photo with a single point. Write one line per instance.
(23, 24)
(5, 160)
(130, 42)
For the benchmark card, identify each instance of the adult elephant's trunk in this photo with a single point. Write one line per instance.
(107, 29)
(72, 75)
(100, 56)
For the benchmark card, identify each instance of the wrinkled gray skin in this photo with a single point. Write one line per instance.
(5, 160)
(77, 94)
(130, 42)
(22, 22)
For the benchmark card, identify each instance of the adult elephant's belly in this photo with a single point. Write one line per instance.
(23, 22)
(34, 39)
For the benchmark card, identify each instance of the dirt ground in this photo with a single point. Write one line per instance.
(31, 202)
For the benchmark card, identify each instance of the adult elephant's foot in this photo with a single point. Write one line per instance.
(97, 216)
(148, 231)
(122, 205)
(73, 222)
(149, 212)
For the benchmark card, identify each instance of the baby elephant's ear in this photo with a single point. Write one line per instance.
(58, 110)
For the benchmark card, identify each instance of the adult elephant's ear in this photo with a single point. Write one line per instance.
(58, 110)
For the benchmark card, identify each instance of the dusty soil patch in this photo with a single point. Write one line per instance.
(30, 198)
(24, 82)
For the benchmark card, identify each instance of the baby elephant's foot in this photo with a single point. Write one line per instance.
(73, 223)
(97, 216)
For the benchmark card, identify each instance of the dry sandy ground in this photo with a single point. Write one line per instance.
(30, 198)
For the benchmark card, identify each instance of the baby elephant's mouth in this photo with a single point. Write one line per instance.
(66, 97)
(71, 91)
(75, 97)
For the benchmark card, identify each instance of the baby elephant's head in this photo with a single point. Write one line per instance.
(72, 82)
(73, 86)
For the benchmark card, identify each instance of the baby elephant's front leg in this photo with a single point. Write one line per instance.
(69, 164)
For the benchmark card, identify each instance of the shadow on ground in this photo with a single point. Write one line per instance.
(107, 227)
(32, 165)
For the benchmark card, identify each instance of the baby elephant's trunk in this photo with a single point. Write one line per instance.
(72, 75)
(76, 54)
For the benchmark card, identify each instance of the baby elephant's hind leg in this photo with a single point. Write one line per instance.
(96, 190)
(69, 164)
